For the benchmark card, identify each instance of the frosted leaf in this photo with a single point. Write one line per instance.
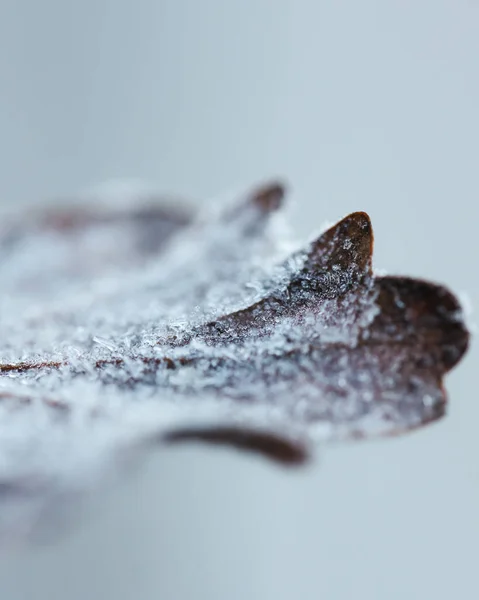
(145, 325)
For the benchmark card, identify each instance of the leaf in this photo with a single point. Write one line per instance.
(155, 325)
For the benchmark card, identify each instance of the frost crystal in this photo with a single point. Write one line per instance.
(128, 326)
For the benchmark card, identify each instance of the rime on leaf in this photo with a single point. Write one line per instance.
(155, 325)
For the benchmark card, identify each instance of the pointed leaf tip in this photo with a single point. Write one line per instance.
(348, 244)
(269, 197)
(272, 446)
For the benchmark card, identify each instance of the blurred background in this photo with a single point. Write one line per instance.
(361, 106)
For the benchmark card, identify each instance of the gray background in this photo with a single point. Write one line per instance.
(360, 105)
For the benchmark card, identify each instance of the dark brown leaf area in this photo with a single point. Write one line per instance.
(156, 324)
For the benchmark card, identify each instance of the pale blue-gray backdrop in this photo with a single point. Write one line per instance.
(366, 105)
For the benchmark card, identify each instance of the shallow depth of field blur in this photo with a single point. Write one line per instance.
(360, 106)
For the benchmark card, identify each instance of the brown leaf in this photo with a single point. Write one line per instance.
(206, 338)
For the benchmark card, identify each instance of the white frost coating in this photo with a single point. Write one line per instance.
(137, 357)
(49, 312)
